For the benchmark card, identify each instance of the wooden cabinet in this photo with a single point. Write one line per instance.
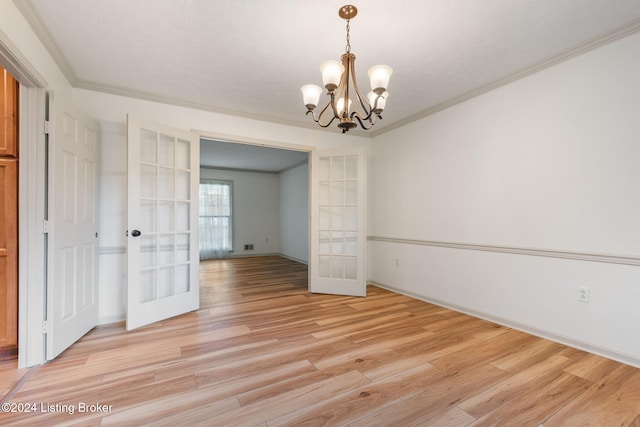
(8, 215)
(8, 256)
(8, 115)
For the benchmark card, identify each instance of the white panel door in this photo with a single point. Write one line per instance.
(162, 244)
(72, 266)
(338, 229)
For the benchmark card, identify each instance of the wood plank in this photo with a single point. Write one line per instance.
(262, 351)
(523, 382)
(615, 400)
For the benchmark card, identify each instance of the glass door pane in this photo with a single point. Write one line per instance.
(163, 175)
(338, 232)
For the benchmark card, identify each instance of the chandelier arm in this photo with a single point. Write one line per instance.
(367, 117)
(365, 104)
(371, 114)
(362, 121)
(319, 118)
(332, 102)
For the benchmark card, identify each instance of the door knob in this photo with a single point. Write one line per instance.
(136, 233)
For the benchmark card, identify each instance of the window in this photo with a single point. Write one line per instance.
(215, 219)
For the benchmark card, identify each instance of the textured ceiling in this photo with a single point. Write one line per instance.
(250, 57)
(247, 157)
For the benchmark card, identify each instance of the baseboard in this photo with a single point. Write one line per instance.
(552, 336)
(105, 320)
(265, 254)
(8, 353)
(294, 259)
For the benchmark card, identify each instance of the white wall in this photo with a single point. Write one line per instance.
(112, 271)
(255, 210)
(549, 162)
(294, 213)
(112, 111)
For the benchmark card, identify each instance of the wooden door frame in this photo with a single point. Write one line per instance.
(31, 204)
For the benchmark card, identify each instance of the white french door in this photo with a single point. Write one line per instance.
(72, 246)
(162, 244)
(338, 229)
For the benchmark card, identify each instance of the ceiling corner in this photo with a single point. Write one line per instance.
(31, 16)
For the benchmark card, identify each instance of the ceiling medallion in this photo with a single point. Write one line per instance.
(339, 78)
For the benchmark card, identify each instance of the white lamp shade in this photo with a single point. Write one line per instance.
(379, 76)
(340, 105)
(381, 101)
(331, 74)
(311, 94)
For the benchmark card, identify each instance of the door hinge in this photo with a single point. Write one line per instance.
(47, 127)
(44, 327)
(45, 226)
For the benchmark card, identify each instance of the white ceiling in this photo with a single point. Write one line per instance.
(250, 57)
(247, 157)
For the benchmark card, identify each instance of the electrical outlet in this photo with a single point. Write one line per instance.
(397, 262)
(583, 294)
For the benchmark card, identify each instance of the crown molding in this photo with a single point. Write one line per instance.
(25, 7)
(19, 66)
(515, 250)
(629, 29)
(170, 100)
(165, 99)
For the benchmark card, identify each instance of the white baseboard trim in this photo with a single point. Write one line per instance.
(263, 255)
(301, 261)
(552, 336)
(114, 318)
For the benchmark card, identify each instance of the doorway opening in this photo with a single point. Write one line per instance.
(270, 196)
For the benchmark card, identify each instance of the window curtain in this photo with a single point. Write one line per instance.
(215, 220)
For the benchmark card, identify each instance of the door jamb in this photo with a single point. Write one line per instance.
(31, 191)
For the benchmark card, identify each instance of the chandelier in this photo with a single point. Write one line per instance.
(339, 78)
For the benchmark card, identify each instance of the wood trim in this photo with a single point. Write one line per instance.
(8, 254)
(549, 253)
(18, 65)
(9, 115)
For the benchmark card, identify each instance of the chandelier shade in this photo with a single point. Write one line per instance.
(346, 103)
(311, 95)
(379, 76)
(331, 74)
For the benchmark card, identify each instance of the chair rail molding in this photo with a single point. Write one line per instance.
(549, 253)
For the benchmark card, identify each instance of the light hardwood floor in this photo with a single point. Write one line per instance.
(263, 351)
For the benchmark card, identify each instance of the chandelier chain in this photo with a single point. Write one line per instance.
(348, 46)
